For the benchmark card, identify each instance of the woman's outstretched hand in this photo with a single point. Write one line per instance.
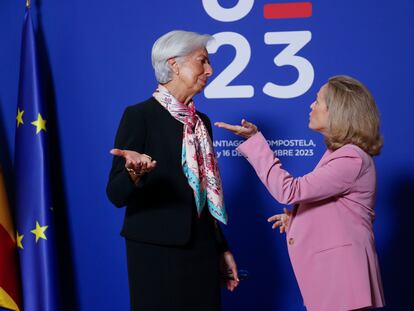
(245, 130)
(281, 220)
(136, 164)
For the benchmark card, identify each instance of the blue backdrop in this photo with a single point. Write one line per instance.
(95, 59)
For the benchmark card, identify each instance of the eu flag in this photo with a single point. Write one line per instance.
(34, 210)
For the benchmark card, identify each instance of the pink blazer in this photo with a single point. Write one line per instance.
(330, 238)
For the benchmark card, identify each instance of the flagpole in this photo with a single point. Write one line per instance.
(28, 4)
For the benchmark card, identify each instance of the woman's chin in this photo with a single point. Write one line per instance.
(199, 88)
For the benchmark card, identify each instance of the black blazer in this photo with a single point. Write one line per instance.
(161, 208)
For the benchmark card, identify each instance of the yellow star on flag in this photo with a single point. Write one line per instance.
(19, 239)
(19, 117)
(39, 232)
(40, 123)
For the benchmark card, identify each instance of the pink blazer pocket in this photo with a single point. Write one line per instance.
(331, 248)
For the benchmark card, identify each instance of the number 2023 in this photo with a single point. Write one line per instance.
(295, 41)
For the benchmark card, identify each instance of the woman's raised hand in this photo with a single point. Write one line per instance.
(137, 164)
(281, 220)
(245, 130)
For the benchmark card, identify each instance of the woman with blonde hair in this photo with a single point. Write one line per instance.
(329, 231)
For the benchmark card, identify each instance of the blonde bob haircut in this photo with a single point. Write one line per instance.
(353, 116)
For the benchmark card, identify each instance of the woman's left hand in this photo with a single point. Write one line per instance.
(245, 130)
(228, 267)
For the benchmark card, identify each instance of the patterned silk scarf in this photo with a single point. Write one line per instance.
(197, 158)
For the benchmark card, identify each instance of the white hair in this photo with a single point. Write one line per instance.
(177, 43)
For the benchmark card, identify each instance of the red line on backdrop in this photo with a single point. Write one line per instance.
(288, 10)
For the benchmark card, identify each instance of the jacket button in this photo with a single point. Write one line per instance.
(291, 241)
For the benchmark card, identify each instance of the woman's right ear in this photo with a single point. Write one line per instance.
(173, 64)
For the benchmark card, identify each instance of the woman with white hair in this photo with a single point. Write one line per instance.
(166, 173)
(329, 231)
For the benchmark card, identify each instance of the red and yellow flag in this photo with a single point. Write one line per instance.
(9, 278)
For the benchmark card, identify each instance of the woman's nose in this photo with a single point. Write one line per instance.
(208, 70)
